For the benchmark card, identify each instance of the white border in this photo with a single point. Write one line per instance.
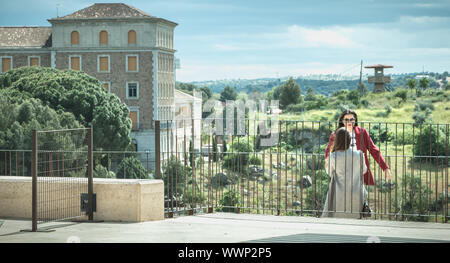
(134, 109)
(1, 63)
(74, 45)
(137, 91)
(109, 85)
(39, 60)
(98, 64)
(70, 61)
(107, 40)
(128, 38)
(137, 63)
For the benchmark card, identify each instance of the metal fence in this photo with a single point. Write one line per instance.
(289, 176)
(234, 171)
(61, 169)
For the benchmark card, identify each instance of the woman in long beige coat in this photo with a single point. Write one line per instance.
(346, 167)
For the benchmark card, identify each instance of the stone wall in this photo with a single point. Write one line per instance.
(127, 200)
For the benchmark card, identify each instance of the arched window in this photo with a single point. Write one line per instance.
(103, 37)
(75, 38)
(132, 37)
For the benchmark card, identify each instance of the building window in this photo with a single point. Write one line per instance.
(34, 61)
(75, 62)
(103, 63)
(131, 37)
(103, 37)
(132, 90)
(75, 38)
(107, 86)
(134, 116)
(6, 63)
(132, 63)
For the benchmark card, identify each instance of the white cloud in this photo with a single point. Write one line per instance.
(407, 44)
(324, 37)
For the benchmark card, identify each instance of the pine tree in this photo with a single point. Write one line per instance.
(214, 149)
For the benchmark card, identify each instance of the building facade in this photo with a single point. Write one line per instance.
(128, 50)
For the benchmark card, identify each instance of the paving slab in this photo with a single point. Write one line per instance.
(227, 228)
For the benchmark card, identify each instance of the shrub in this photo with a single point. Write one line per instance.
(416, 199)
(422, 106)
(174, 176)
(401, 93)
(379, 133)
(221, 180)
(230, 201)
(300, 107)
(191, 198)
(240, 158)
(437, 137)
(255, 160)
(101, 172)
(131, 168)
(419, 118)
(316, 194)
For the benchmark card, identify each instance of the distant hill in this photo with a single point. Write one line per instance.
(321, 84)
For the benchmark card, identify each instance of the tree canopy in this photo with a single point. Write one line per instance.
(17, 122)
(228, 93)
(74, 92)
(290, 93)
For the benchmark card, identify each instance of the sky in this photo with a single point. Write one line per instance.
(250, 39)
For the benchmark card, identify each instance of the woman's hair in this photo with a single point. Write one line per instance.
(345, 112)
(341, 140)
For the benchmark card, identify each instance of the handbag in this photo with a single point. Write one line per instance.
(366, 210)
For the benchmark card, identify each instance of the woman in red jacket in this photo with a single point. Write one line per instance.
(361, 139)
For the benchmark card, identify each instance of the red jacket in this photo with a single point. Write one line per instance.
(362, 134)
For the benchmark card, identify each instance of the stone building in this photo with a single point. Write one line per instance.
(188, 115)
(127, 49)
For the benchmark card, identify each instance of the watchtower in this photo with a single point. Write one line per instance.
(379, 79)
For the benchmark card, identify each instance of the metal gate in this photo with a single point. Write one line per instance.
(62, 184)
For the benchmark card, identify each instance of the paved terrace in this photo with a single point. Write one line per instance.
(228, 228)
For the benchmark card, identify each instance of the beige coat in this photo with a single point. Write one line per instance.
(346, 191)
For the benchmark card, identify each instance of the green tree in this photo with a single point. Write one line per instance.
(290, 93)
(310, 95)
(17, 122)
(401, 93)
(424, 83)
(206, 93)
(353, 96)
(431, 140)
(77, 93)
(228, 93)
(411, 84)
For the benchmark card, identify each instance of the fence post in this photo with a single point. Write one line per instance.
(90, 173)
(34, 156)
(157, 150)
